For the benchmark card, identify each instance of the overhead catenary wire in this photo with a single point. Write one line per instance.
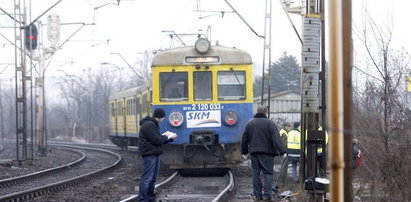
(292, 23)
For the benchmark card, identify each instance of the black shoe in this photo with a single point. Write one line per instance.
(275, 190)
(256, 199)
(268, 199)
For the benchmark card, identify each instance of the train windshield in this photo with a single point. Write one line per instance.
(202, 86)
(173, 86)
(231, 85)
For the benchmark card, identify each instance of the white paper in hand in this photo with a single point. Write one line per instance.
(173, 135)
(168, 134)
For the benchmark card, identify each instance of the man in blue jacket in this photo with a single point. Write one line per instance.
(150, 147)
(262, 140)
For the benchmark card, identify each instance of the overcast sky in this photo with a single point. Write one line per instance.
(136, 25)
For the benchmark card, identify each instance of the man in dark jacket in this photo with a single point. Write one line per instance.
(262, 140)
(150, 147)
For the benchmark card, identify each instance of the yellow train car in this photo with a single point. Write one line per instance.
(207, 94)
(127, 108)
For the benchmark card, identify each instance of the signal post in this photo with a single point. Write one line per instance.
(339, 99)
(25, 43)
(53, 34)
(312, 165)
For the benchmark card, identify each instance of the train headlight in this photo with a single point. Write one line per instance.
(202, 45)
(176, 119)
(230, 118)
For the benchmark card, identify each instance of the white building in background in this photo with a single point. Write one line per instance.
(285, 106)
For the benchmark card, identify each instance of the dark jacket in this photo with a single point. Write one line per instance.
(150, 140)
(261, 136)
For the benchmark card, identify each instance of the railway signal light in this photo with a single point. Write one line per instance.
(30, 37)
(53, 29)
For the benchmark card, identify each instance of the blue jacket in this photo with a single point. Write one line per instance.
(261, 136)
(150, 140)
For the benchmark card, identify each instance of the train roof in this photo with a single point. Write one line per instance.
(131, 91)
(177, 56)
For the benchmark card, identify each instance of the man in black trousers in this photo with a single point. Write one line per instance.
(150, 147)
(262, 140)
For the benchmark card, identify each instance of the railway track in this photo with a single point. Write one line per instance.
(116, 187)
(185, 189)
(94, 162)
(20, 180)
(243, 189)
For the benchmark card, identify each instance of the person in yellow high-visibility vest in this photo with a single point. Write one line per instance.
(284, 163)
(293, 148)
(320, 151)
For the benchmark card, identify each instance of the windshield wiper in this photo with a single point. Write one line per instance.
(238, 80)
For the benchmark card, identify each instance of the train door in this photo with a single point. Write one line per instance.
(113, 117)
(120, 117)
(124, 117)
(150, 100)
(130, 116)
(145, 104)
(138, 113)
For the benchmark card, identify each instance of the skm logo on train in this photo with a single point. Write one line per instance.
(197, 119)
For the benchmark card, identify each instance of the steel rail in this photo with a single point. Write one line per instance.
(24, 178)
(46, 189)
(157, 186)
(227, 189)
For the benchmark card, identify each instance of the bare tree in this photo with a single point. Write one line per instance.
(86, 99)
(381, 122)
(9, 112)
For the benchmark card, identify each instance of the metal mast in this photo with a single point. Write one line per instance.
(267, 53)
(312, 163)
(20, 81)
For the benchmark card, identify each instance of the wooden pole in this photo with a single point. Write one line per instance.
(335, 100)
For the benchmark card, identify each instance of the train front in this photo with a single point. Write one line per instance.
(207, 94)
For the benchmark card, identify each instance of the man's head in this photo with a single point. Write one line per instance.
(287, 126)
(262, 109)
(159, 114)
(296, 125)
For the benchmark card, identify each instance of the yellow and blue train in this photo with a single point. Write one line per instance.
(207, 93)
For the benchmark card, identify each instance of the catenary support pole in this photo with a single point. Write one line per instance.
(335, 101)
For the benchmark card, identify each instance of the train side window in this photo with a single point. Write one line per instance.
(231, 85)
(202, 86)
(173, 86)
(145, 104)
(113, 109)
(138, 105)
(133, 108)
(120, 108)
(128, 107)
